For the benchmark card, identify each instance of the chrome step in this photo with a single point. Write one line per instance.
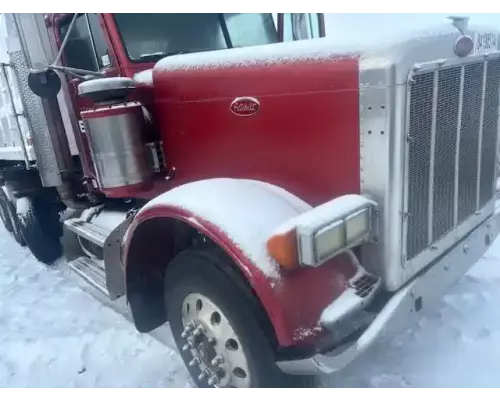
(360, 292)
(91, 272)
(87, 231)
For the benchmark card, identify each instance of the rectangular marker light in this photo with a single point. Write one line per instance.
(348, 228)
(357, 226)
(329, 240)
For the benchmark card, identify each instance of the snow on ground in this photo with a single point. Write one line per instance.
(54, 334)
(457, 344)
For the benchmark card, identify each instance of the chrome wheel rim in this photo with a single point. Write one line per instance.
(215, 350)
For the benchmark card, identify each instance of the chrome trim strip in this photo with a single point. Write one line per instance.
(457, 151)
(406, 150)
(480, 139)
(430, 215)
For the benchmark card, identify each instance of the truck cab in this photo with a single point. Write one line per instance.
(278, 204)
(123, 45)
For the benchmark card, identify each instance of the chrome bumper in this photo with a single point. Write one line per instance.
(418, 294)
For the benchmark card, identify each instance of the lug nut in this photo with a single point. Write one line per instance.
(202, 375)
(199, 330)
(213, 380)
(187, 346)
(186, 332)
(194, 361)
(188, 329)
(217, 360)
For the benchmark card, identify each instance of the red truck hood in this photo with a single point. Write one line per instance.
(305, 129)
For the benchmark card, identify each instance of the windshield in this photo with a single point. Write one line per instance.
(149, 37)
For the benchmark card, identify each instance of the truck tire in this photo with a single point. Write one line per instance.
(40, 228)
(4, 215)
(16, 225)
(215, 328)
(11, 221)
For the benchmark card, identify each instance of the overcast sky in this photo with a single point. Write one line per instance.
(361, 26)
(386, 25)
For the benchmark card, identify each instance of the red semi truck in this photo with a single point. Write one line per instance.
(279, 204)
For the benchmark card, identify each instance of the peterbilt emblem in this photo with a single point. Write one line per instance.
(245, 106)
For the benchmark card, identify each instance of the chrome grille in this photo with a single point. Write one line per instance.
(489, 136)
(452, 134)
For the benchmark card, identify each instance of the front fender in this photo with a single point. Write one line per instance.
(239, 216)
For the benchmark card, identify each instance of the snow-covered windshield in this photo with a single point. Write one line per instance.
(149, 37)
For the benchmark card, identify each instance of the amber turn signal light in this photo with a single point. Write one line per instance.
(282, 247)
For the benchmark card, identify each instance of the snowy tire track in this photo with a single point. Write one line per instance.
(54, 334)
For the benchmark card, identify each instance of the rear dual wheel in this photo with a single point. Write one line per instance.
(41, 229)
(39, 226)
(217, 329)
(4, 215)
(10, 219)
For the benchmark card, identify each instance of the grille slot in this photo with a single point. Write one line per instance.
(452, 135)
(419, 156)
(469, 139)
(445, 145)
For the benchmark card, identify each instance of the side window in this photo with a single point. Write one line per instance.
(85, 48)
(99, 43)
(287, 27)
(314, 25)
(300, 26)
(250, 29)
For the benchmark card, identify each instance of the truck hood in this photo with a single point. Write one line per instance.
(362, 42)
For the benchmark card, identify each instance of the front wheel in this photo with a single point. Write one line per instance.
(217, 330)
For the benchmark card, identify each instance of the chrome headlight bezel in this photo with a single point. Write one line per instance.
(334, 227)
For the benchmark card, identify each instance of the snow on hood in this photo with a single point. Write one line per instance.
(270, 53)
(144, 77)
(368, 37)
(347, 35)
(341, 46)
